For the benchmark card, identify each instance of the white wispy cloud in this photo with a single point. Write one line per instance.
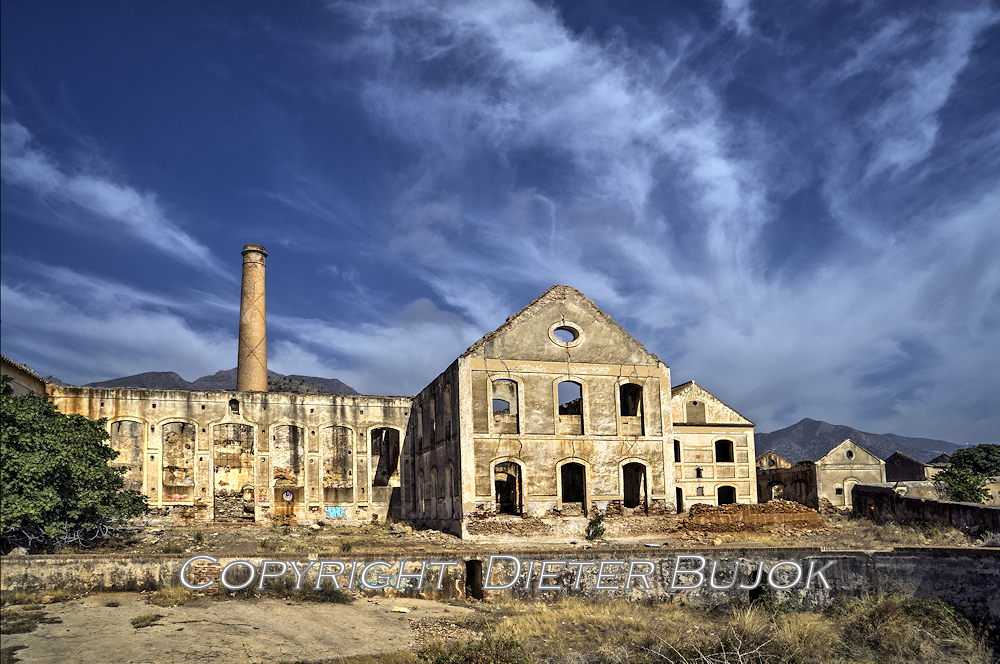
(737, 13)
(117, 207)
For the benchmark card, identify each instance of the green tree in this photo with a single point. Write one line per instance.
(963, 485)
(981, 459)
(56, 484)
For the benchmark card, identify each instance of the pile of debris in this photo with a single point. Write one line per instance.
(509, 526)
(751, 517)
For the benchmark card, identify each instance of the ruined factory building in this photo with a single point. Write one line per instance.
(557, 415)
(560, 414)
(826, 483)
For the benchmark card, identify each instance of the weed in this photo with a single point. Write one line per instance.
(595, 527)
(494, 648)
(173, 548)
(171, 597)
(112, 604)
(199, 537)
(145, 620)
(991, 539)
(345, 547)
(268, 544)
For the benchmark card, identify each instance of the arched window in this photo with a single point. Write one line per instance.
(634, 485)
(505, 418)
(630, 397)
(509, 487)
(570, 395)
(573, 477)
(727, 495)
(723, 451)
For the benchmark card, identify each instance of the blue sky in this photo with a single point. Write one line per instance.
(795, 204)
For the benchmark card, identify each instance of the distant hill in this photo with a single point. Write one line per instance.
(226, 380)
(809, 440)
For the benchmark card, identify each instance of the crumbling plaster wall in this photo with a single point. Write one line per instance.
(842, 468)
(198, 428)
(699, 472)
(600, 359)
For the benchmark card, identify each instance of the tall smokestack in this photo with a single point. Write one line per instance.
(251, 367)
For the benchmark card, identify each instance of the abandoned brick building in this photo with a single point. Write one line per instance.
(556, 415)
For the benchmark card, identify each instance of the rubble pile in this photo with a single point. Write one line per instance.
(627, 527)
(510, 527)
(752, 517)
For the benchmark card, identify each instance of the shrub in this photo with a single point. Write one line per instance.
(491, 649)
(595, 527)
(58, 488)
(170, 597)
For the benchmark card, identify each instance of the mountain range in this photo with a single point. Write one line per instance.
(811, 440)
(226, 380)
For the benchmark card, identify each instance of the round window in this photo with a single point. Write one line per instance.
(850, 454)
(565, 334)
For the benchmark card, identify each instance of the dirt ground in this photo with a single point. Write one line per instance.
(87, 630)
(840, 533)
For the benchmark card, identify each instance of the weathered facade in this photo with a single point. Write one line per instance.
(558, 414)
(555, 417)
(251, 456)
(823, 483)
(769, 460)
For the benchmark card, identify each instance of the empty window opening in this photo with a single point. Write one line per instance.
(234, 406)
(696, 412)
(698, 473)
(505, 406)
(850, 454)
(507, 481)
(677, 451)
(723, 451)
(840, 492)
(446, 407)
(680, 499)
(449, 492)
(565, 334)
(727, 495)
(631, 398)
(634, 480)
(777, 491)
(770, 463)
(570, 396)
(432, 415)
(574, 487)
(385, 456)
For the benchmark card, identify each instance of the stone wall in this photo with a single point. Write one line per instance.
(967, 578)
(880, 501)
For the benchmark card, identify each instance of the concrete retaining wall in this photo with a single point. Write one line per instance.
(879, 501)
(965, 577)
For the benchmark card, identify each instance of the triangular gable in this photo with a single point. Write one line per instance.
(716, 411)
(838, 454)
(527, 335)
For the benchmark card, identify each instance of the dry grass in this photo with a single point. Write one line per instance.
(876, 629)
(145, 620)
(23, 620)
(15, 597)
(171, 597)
